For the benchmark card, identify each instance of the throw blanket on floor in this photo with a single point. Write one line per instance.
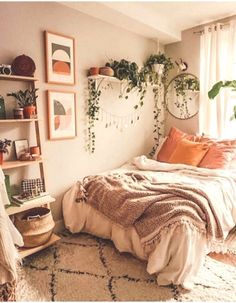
(141, 200)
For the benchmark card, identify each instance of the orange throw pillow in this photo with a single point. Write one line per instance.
(190, 153)
(219, 155)
(174, 136)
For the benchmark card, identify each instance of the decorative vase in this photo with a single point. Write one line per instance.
(1, 158)
(29, 112)
(158, 68)
(106, 71)
(93, 71)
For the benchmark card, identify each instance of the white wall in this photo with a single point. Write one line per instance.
(21, 31)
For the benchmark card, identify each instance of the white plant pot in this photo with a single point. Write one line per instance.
(158, 68)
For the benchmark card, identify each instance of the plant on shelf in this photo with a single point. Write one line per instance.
(136, 81)
(184, 84)
(4, 145)
(26, 100)
(215, 90)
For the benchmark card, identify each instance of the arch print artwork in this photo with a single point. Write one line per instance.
(59, 59)
(61, 115)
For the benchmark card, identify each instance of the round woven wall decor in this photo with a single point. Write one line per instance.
(23, 66)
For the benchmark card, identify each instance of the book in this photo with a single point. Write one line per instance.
(18, 200)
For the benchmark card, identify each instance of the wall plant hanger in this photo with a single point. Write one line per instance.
(182, 96)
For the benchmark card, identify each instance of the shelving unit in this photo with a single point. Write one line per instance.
(42, 201)
(17, 120)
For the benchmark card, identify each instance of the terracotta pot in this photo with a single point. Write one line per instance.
(29, 112)
(106, 71)
(1, 158)
(93, 71)
(34, 150)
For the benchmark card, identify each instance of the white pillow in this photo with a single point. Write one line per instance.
(162, 141)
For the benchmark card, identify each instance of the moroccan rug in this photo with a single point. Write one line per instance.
(85, 268)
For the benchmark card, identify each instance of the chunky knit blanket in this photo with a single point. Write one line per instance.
(135, 199)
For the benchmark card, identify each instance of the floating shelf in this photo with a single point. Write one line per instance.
(17, 120)
(17, 78)
(24, 252)
(14, 209)
(107, 78)
(15, 164)
(112, 79)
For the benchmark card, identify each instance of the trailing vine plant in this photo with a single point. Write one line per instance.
(158, 82)
(137, 80)
(92, 113)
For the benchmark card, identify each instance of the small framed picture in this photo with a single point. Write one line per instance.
(60, 58)
(61, 115)
(21, 147)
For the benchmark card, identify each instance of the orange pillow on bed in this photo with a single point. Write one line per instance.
(188, 152)
(174, 136)
(220, 154)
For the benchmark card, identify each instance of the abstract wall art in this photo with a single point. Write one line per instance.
(61, 115)
(60, 65)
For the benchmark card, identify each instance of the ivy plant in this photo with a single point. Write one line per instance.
(135, 81)
(92, 113)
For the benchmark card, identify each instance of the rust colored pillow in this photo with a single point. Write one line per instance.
(188, 152)
(174, 136)
(219, 155)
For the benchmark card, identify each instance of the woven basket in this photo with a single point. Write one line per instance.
(35, 226)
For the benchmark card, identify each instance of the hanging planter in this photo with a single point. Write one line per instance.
(158, 68)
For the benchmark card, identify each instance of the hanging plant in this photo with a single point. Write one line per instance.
(135, 81)
(92, 113)
(157, 77)
(160, 59)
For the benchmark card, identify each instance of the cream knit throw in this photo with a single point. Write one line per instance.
(133, 199)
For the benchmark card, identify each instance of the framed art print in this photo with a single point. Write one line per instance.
(61, 115)
(60, 62)
(21, 147)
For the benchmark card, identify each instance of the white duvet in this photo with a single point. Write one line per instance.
(178, 256)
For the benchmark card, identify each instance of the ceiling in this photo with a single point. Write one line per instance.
(156, 20)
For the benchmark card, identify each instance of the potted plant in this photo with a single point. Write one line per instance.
(185, 83)
(159, 64)
(216, 89)
(26, 100)
(4, 144)
(129, 71)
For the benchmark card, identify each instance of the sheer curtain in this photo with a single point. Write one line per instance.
(217, 62)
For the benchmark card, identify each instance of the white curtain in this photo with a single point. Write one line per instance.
(217, 62)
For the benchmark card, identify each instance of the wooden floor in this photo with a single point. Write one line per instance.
(224, 258)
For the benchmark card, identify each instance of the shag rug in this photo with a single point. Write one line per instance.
(85, 268)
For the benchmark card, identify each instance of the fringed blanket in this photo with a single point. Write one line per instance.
(136, 199)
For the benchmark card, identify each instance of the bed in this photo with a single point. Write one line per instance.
(176, 249)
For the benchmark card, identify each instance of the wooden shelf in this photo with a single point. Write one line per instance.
(112, 79)
(17, 78)
(17, 120)
(15, 164)
(14, 209)
(24, 252)
(107, 78)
